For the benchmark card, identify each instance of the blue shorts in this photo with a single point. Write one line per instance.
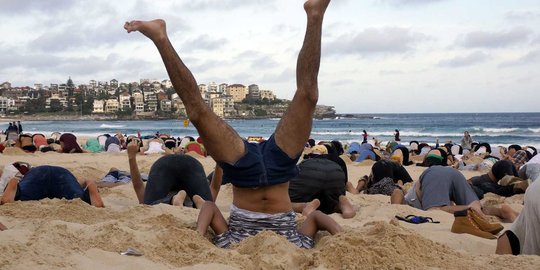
(263, 164)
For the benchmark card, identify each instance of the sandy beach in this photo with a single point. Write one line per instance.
(61, 234)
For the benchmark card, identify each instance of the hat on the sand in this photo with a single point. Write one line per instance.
(319, 150)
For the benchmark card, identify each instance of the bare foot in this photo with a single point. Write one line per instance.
(10, 191)
(2, 227)
(316, 8)
(198, 201)
(310, 207)
(95, 198)
(179, 198)
(154, 30)
(347, 210)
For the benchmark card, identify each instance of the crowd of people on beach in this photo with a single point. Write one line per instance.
(288, 172)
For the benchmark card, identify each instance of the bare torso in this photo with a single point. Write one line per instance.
(271, 199)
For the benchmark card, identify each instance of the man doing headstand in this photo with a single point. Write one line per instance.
(260, 173)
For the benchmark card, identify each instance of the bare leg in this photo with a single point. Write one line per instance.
(179, 198)
(211, 216)
(198, 201)
(2, 227)
(397, 197)
(316, 221)
(346, 208)
(95, 198)
(294, 128)
(306, 208)
(351, 189)
(504, 212)
(503, 245)
(10, 191)
(221, 141)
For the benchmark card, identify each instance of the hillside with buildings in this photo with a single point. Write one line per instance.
(146, 99)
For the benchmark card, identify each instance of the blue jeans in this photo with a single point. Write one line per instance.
(50, 182)
(172, 173)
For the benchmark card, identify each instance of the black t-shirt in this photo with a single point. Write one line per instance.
(483, 184)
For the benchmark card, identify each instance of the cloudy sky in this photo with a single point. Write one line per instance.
(378, 55)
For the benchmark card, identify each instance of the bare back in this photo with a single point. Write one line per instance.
(270, 199)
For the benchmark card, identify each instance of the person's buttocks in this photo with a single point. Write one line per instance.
(270, 199)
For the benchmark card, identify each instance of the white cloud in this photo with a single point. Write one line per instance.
(522, 15)
(532, 57)
(464, 61)
(204, 42)
(376, 40)
(498, 39)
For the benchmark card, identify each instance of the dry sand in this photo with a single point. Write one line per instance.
(60, 234)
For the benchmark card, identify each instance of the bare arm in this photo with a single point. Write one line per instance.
(136, 179)
(217, 179)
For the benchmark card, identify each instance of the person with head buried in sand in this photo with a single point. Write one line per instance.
(45, 181)
(259, 173)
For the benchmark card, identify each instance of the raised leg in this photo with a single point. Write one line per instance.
(220, 140)
(316, 221)
(293, 130)
(211, 216)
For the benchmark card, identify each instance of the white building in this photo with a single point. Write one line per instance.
(138, 99)
(98, 106)
(151, 101)
(268, 94)
(203, 88)
(228, 106)
(166, 83)
(222, 87)
(213, 87)
(166, 105)
(6, 104)
(125, 101)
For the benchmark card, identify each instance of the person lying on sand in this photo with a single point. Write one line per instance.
(171, 179)
(523, 237)
(489, 182)
(260, 185)
(445, 188)
(321, 184)
(50, 182)
(387, 177)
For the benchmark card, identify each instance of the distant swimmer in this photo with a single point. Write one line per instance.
(365, 136)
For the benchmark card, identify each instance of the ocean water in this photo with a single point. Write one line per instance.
(494, 128)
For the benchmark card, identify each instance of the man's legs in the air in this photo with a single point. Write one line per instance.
(221, 141)
(294, 128)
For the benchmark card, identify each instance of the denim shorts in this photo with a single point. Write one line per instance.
(263, 164)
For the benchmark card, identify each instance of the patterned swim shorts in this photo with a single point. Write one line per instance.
(244, 223)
